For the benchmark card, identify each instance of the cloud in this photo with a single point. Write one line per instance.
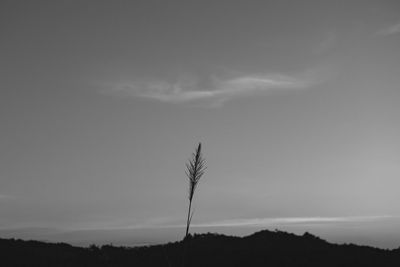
(263, 222)
(290, 221)
(390, 30)
(218, 90)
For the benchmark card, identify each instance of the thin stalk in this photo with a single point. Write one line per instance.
(188, 219)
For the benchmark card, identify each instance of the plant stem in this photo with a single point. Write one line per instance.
(188, 219)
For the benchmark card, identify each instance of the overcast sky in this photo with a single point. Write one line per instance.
(296, 103)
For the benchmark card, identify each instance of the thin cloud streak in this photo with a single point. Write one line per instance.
(251, 222)
(267, 222)
(291, 221)
(390, 30)
(219, 90)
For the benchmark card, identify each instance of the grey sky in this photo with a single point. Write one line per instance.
(296, 104)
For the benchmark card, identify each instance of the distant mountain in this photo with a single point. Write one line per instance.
(264, 248)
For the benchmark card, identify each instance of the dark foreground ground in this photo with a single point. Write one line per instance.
(263, 248)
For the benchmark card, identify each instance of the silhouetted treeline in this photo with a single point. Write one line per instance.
(263, 248)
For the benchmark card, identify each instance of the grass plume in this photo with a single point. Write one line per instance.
(194, 171)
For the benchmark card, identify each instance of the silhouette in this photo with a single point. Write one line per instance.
(264, 248)
(194, 170)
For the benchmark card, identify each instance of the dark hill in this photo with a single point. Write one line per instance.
(263, 248)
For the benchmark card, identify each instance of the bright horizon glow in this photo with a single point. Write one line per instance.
(323, 227)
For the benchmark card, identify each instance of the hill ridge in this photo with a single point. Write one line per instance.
(262, 248)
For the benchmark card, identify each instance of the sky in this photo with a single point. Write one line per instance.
(296, 104)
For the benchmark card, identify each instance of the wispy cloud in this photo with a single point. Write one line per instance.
(264, 222)
(390, 30)
(290, 221)
(217, 89)
(173, 223)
